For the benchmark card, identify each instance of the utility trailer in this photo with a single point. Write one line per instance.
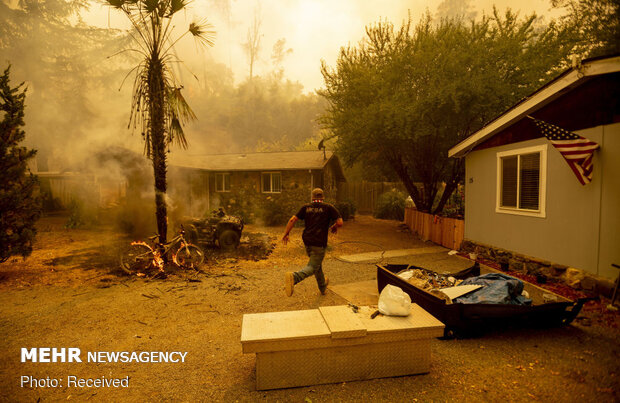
(466, 319)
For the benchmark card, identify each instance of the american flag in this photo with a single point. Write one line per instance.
(576, 150)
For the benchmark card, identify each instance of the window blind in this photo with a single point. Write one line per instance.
(529, 181)
(509, 181)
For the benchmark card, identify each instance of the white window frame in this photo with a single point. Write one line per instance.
(224, 175)
(542, 191)
(271, 173)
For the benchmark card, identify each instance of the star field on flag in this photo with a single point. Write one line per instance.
(576, 150)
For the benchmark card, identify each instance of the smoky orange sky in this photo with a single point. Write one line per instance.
(313, 29)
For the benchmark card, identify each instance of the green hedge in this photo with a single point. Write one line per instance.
(391, 205)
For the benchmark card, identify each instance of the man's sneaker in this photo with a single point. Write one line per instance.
(324, 290)
(289, 283)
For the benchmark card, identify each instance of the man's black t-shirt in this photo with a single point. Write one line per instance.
(317, 217)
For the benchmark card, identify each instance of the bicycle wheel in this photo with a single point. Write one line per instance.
(137, 259)
(189, 257)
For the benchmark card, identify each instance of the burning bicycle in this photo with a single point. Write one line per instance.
(144, 257)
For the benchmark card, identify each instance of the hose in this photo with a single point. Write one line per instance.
(381, 249)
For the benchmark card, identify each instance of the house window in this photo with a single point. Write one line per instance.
(271, 182)
(521, 180)
(222, 182)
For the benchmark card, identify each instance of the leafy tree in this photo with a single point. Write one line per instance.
(595, 25)
(158, 107)
(63, 59)
(19, 204)
(252, 46)
(402, 98)
(277, 56)
(271, 113)
(456, 9)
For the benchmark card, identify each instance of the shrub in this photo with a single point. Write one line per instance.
(455, 206)
(76, 214)
(83, 206)
(391, 205)
(48, 202)
(278, 208)
(269, 209)
(346, 208)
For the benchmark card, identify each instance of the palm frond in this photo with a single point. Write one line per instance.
(126, 50)
(203, 31)
(180, 105)
(176, 5)
(150, 6)
(127, 75)
(116, 3)
(176, 134)
(179, 113)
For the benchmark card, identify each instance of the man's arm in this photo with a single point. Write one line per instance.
(337, 224)
(289, 227)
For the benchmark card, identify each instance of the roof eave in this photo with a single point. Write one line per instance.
(249, 169)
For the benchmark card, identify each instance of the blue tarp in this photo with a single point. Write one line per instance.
(497, 288)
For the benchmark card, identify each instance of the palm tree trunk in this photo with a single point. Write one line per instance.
(158, 143)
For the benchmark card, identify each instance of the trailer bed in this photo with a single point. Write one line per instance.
(463, 319)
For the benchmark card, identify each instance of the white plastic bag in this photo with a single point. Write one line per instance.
(393, 301)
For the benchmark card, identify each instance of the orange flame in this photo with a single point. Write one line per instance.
(141, 243)
(158, 261)
(174, 257)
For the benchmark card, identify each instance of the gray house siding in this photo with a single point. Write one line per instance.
(581, 223)
(610, 201)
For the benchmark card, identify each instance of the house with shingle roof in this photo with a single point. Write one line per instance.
(213, 177)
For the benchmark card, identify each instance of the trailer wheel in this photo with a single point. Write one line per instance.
(448, 334)
(228, 239)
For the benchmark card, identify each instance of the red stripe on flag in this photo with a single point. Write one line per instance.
(577, 172)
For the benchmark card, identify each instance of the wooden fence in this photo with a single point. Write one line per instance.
(365, 194)
(448, 232)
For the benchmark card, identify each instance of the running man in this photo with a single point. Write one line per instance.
(317, 217)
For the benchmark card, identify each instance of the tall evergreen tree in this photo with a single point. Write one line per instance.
(20, 206)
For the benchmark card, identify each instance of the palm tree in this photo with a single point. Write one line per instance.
(157, 106)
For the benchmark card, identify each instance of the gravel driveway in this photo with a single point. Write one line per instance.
(203, 318)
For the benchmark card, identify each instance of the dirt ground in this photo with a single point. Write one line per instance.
(69, 293)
